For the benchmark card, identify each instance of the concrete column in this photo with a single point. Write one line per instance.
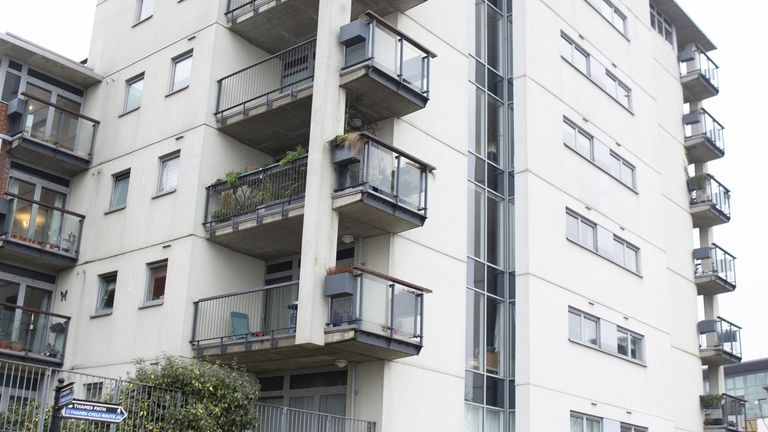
(321, 223)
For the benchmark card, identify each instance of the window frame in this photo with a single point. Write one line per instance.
(582, 221)
(632, 428)
(104, 280)
(583, 316)
(128, 84)
(162, 160)
(150, 284)
(622, 163)
(125, 174)
(663, 26)
(187, 55)
(584, 418)
(139, 17)
(627, 246)
(574, 47)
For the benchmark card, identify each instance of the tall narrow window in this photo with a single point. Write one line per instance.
(120, 190)
(134, 89)
(144, 10)
(157, 273)
(169, 173)
(182, 71)
(107, 287)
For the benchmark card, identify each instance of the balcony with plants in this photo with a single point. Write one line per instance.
(38, 235)
(704, 137)
(714, 270)
(50, 136)
(710, 201)
(723, 412)
(274, 25)
(268, 105)
(34, 335)
(259, 211)
(379, 188)
(719, 342)
(386, 73)
(699, 75)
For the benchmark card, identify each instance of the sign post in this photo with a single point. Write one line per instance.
(63, 394)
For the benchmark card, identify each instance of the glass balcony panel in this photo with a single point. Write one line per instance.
(413, 67)
(36, 121)
(381, 169)
(32, 331)
(375, 295)
(406, 314)
(411, 184)
(386, 49)
(53, 227)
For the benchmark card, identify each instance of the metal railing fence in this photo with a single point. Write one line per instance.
(715, 193)
(275, 418)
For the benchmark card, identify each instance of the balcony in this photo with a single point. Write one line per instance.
(704, 137)
(261, 213)
(274, 418)
(372, 317)
(49, 136)
(37, 235)
(275, 25)
(715, 270)
(698, 75)
(710, 201)
(380, 189)
(32, 334)
(724, 413)
(268, 105)
(719, 342)
(385, 72)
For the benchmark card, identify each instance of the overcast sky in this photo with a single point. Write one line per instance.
(65, 27)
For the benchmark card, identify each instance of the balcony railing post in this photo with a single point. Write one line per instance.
(392, 310)
(401, 42)
(284, 420)
(195, 307)
(370, 52)
(397, 179)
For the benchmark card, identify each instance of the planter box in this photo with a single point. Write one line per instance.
(343, 155)
(340, 285)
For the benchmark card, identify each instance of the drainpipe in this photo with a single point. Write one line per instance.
(353, 370)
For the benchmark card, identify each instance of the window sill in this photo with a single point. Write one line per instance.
(605, 258)
(114, 210)
(101, 314)
(151, 304)
(142, 21)
(177, 91)
(162, 194)
(596, 348)
(602, 169)
(125, 113)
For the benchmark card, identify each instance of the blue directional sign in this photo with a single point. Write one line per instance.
(96, 411)
(66, 396)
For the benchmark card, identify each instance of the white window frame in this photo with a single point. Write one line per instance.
(629, 334)
(571, 142)
(162, 160)
(581, 220)
(582, 318)
(576, 48)
(115, 178)
(625, 427)
(174, 65)
(149, 288)
(104, 281)
(584, 418)
(140, 18)
(610, 14)
(622, 261)
(128, 83)
(663, 26)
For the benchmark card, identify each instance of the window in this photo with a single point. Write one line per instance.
(610, 12)
(618, 90)
(94, 390)
(181, 72)
(134, 88)
(598, 153)
(144, 10)
(107, 286)
(630, 428)
(625, 254)
(575, 55)
(580, 230)
(120, 190)
(583, 327)
(11, 86)
(585, 423)
(157, 273)
(662, 25)
(629, 344)
(169, 173)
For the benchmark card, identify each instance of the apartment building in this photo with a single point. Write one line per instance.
(282, 184)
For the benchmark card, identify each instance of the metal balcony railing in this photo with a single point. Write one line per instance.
(720, 334)
(238, 8)
(388, 172)
(718, 263)
(713, 193)
(266, 312)
(278, 75)
(381, 305)
(729, 413)
(281, 419)
(42, 225)
(30, 331)
(56, 126)
(702, 123)
(254, 194)
(697, 61)
(391, 51)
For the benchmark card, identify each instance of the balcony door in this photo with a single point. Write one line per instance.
(35, 220)
(25, 326)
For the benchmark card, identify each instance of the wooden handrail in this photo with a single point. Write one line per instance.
(60, 108)
(398, 281)
(37, 311)
(373, 17)
(65, 211)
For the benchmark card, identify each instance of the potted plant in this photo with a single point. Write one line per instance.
(17, 345)
(4, 342)
(698, 182)
(710, 401)
(347, 148)
(339, 282)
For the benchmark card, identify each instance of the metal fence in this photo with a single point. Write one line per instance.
(281, 419)
(278, 75)
(702, 123)
(267, 190)
(238, 8)
(718, 262)
(697, 61)
(27, 393)
(713, 193)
